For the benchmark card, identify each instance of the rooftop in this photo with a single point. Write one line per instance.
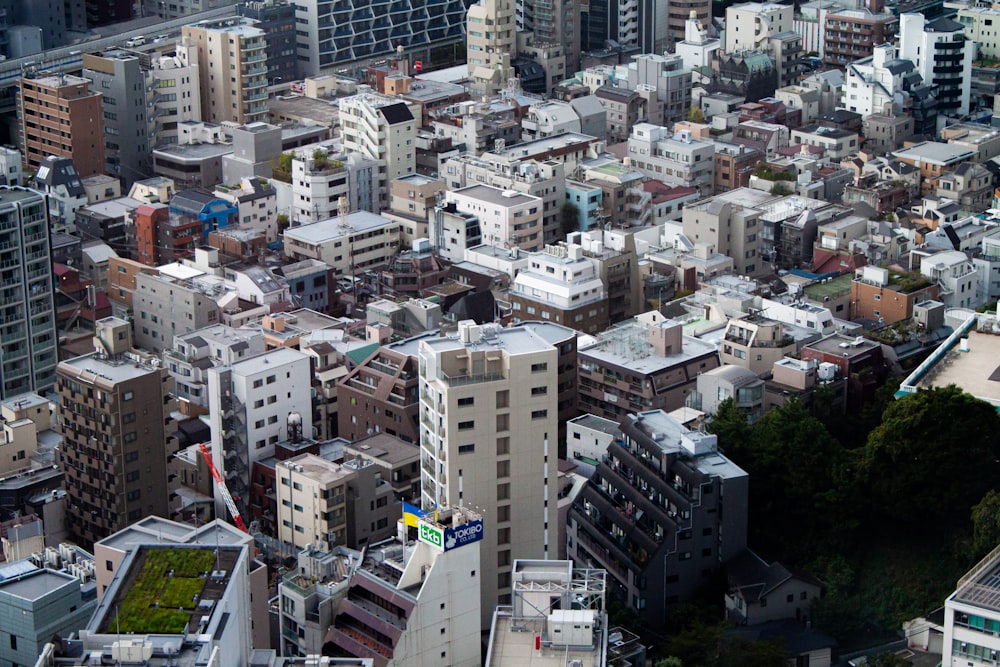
(626, 345)
(975, 370)
(669, 435)
(935, 152)
(317, 469)
(595, 423)
(165, 590)
(37, 584)
(327, 230)
(496, 196)
(92, 368)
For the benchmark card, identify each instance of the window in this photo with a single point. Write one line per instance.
(127, 396)
(539, 391)
(539, 414)
(465, 426)
(539, 368)
(466, 449)
(503, 468)
(466, 402)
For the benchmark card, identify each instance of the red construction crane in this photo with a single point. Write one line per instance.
(220, 484)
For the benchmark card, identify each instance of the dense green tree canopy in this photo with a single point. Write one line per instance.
(935, 455)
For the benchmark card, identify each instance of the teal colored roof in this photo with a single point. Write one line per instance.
(758, 61)
(359, 354)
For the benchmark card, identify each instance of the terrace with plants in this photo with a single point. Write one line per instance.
(169, 590)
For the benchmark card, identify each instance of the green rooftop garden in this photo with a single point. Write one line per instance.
(909, 282)
(158, 603)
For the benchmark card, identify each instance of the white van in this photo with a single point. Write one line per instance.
(138, 40)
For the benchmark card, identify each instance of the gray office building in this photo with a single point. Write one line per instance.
(120, 78)
(277, 20)
(28, 342)
(35, 605)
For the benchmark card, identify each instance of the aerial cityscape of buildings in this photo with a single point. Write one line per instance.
(411, 333)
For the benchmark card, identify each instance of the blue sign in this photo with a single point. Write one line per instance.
(467, 533)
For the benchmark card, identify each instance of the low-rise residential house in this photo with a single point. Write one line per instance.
(759, 591)
(755, 342)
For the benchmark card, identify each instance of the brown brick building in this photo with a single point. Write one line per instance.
(877, 296)
(61, 115)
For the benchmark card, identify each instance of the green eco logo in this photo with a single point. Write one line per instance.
(431, 535)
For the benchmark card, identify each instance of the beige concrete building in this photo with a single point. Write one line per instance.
(312, 501)
(233, 69)
(489, 429)
(411, 202)
(730, 222)
(491, 45)
(756, 343)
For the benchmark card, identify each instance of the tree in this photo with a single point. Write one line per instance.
(780, 190)
(935, 455)
(570, 219)
(986, 523)
(283, 222)
(670, 661)
(696, 115)
(743, 653)
(696, 644)
(730, 426)
(281, 167)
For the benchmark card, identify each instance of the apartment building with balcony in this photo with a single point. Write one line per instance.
(349, 244)
(321, 178)
(731, 223)
(888, 298)
(646, 363)
(70, 132)
(308, 597)
(27, 318)
(412, 200)
(232, 64)
(322, 504)
(117, 430)
(383, 129)
(379, 395)
(193, 354)
(543, 177)
(250, 410)
(853, 34)
(955, 275)
(398, 461)
(415, 601)
(741, 385)
(755, 342)
(663, 511)
(561, 285)
(489, 436)
(506, 217)
(677, 160)
(943, 56)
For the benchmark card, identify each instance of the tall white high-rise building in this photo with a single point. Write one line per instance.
(488, 439)
(943, 56)
(383, 129)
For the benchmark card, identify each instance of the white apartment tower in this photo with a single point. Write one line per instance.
(252, 404)
(383, 129)
(943, 56)
(492, 44)
(488, 440)
(176, 93)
